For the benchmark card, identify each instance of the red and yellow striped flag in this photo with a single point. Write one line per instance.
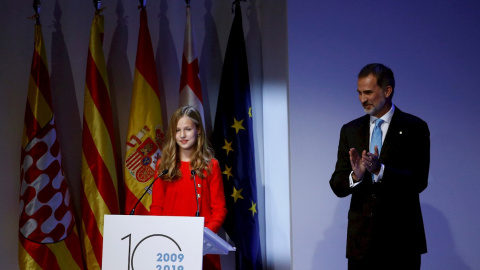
(145, 129)
(99, 170)
(47, 232)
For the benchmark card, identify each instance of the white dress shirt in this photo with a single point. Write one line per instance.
(387, 118)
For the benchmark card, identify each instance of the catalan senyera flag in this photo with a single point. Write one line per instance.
(145, 129)
(48, 237)
(233, 141)
(190, 87)
(99, 169)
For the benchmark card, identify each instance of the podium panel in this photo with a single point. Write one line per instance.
(152, 242)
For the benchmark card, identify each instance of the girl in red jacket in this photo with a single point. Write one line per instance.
(186, 153)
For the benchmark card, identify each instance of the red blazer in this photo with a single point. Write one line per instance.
(178, 198)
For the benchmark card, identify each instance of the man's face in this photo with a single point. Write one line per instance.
(372, 96)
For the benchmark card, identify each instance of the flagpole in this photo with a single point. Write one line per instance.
(236, 3)
(97, 4)
(37, 6)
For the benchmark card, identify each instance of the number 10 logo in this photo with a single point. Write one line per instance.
(164, 260)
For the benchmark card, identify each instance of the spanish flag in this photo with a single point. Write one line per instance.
(145, 129)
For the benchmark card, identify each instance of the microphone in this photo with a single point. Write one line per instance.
(163, 172)
(196, 194)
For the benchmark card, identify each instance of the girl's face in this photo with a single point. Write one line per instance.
(186, 135)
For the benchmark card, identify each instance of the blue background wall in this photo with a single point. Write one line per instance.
(433, 48)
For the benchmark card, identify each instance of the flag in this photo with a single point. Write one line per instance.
(145, 129)
(99, 169)
(234, 148)
(190, 88)
(48, 237)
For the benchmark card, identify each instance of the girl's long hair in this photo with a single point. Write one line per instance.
(170, 160)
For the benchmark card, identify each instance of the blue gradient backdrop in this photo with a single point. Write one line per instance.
(433, 48)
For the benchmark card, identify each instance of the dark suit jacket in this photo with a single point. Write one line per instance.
(385, 218)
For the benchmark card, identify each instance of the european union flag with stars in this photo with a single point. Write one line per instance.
(232, 139)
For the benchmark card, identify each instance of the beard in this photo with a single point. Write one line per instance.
(375, 108)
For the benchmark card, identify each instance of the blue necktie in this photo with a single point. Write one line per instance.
(376, 139)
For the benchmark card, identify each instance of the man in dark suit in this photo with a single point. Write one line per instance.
(384, 168)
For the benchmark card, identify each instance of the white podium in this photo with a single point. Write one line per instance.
(157, 242)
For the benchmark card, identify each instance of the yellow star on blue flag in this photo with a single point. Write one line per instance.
(237, 125)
